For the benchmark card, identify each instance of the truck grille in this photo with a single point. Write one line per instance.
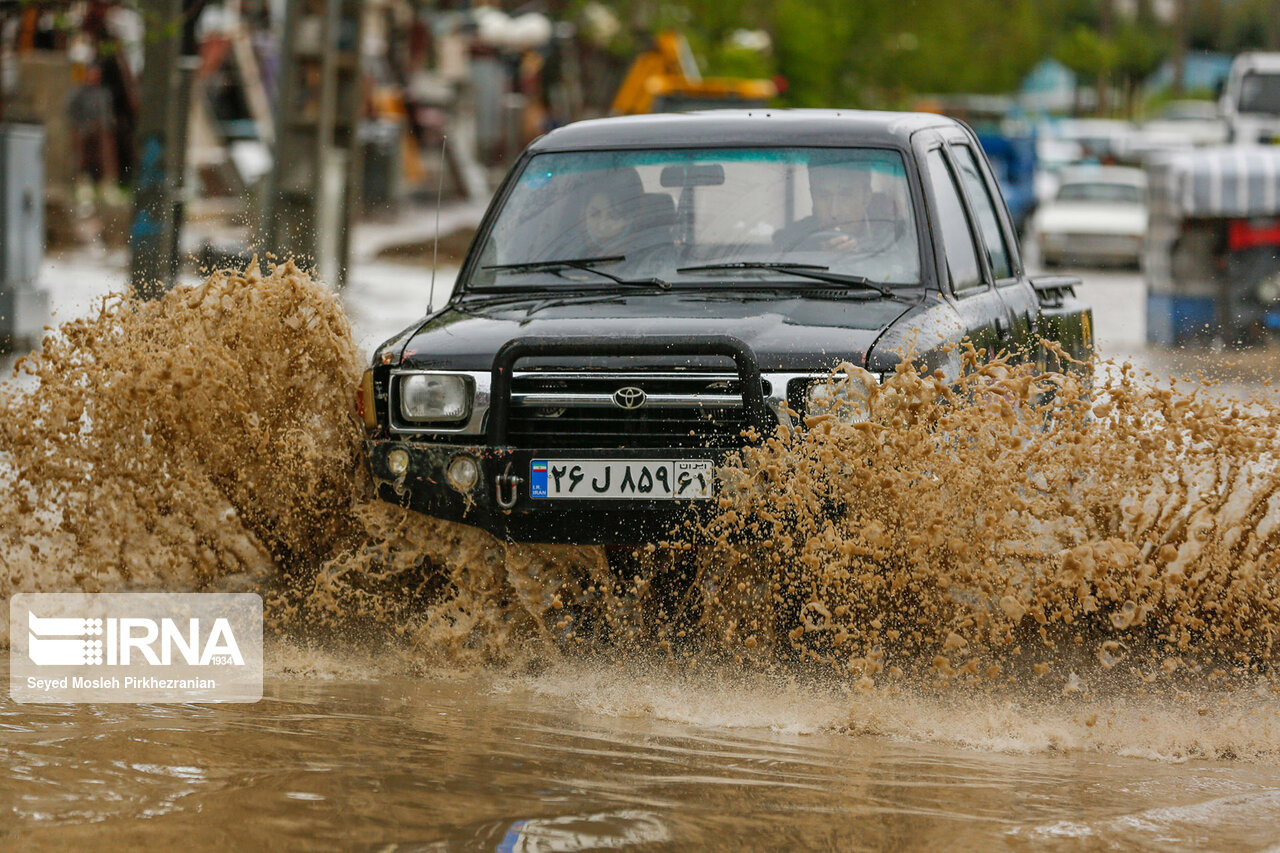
(683, 410)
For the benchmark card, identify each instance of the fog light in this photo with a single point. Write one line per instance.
(463, 473)
(398, 462)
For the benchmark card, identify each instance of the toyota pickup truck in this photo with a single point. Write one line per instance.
(648, 294)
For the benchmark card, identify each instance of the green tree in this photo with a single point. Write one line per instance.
(1137, 53)
(812, 42)
(874, 53)
(1091, 56)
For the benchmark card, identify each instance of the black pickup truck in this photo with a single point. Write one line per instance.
(647, 294)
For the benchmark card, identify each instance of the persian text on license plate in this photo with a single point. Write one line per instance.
(622, 479)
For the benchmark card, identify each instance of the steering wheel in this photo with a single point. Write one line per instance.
(819, 239)
(877, 241)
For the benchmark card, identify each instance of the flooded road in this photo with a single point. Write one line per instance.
(1058, 644)
(582, 759)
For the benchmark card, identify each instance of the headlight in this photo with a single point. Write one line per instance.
(435, 397)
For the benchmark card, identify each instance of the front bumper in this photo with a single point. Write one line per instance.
(1091, 248)
(425, 488)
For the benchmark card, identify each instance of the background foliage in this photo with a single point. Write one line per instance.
(884, 53)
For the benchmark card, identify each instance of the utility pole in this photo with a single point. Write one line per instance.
(312, 188)
(172, 57)
(1106, 29)
(1181, 34)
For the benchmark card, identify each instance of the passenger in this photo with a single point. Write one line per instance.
(618, 218)
(606, 223)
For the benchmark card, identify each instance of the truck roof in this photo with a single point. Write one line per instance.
(714, 128)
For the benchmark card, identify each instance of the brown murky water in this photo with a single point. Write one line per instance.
(976, 617)
(341, 757)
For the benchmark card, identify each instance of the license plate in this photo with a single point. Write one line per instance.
(622, 479)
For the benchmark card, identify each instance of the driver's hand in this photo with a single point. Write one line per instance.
(842, 243)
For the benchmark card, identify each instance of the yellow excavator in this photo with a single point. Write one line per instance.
(665, 79)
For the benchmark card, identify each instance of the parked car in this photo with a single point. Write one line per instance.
(1197, 123)
(647, 294)
(1102, 140)
(1097, 216)
(1052, 156)
(1250, 99)
(1178, 126)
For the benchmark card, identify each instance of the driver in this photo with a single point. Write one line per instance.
(841, 194)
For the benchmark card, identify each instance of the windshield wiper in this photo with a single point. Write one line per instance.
(814, 271)
(585, 264)
(538, 299)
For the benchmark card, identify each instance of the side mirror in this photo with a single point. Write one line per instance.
(693, 175)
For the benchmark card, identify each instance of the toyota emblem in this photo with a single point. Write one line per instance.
(629, 397)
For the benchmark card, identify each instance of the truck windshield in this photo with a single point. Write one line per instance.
(658, 213)
(1260, 93)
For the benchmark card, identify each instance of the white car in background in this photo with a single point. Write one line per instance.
(1052, 156)
(1178, 126)
(1193, 123)
(1100, 139)
(1097, 216)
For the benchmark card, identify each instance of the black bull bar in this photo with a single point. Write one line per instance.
(496, 503)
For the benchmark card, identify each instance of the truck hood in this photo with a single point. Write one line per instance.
(786, 332)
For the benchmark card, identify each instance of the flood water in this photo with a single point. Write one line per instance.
(1059, 644)
(334, 758)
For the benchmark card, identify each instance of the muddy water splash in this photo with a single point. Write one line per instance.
(208, 440)
(1012, 526)
(182, 443)
(1017, 532)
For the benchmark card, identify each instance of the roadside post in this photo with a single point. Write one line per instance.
(312, 189)
(171, 63)
(23, 306)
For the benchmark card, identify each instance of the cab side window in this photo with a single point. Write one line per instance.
(957, 241)
(985, 209)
